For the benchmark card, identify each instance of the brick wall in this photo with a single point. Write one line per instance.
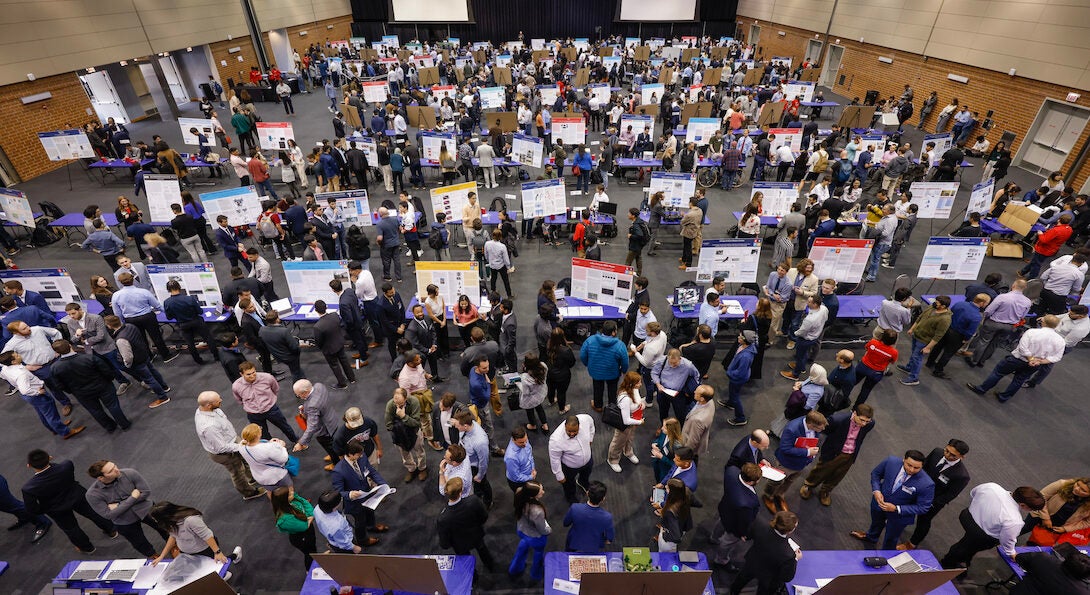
(1015, 100)
(240, 71)
(68, 108)
(318, 33)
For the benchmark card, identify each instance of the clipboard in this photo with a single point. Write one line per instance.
(804, 442)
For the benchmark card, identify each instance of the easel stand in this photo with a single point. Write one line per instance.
(384, 573)
(645, 583)
(914, 583)
(68, 169)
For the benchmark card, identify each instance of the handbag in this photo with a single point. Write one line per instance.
(513, 397)
(301, 421)
(611, 416)
(292, 466)
(1046, 538)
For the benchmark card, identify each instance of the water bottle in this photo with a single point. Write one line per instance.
(616, 564)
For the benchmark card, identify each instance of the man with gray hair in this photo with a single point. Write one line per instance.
(322, 419)
(1037, 347)
(220, 440)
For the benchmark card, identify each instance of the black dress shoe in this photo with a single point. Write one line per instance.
(40, 533)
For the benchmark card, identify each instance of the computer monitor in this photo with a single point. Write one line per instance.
(607, 208)
(687, 297)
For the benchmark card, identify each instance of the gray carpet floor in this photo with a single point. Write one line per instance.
(1028, 441)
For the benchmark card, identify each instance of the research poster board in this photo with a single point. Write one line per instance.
(694, 93)
(492, 97)
(677, 188)
(308, 280)
(162, 191)
(202, 125)
(701, 130)
(441, 91)
(542, 198)
(241, 206)
(935, 199)
(537, 43)
(274, 136)
(423, 61)
(778, 197)
(375, 91)
(787, 136)
(197, 279)
(953, 259)
(503, 60)
(638, 122)
(649, 89)
(450, 200)
(432, 142)
(573, 131)
(528, 150)
(602, 282)
(980, 198)
(453, 279)
(804, 91)
(601, 91)
(735, 260)
(548, 94)
(943, 142)
(55, 285)
(879, 142)
(844, 260)
(610, 61)
(15, 207)
(353, 204)
(785, 60)
(62, 145)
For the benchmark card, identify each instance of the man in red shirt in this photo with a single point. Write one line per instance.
(255, 76)
(878, 355)
(579, 236)
(1048, 244)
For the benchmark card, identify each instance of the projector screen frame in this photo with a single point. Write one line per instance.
(469, 15)
(696, 16)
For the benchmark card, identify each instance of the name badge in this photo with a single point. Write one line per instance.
(908, 490)
(944, 479)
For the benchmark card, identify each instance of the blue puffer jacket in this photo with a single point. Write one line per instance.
(605, 357)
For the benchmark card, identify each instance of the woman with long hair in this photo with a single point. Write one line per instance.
(436, 309)
(359, 247)
(188, 534)
(632, 407)
(158, 249)
(668, 440)
(465, 318)
(561, 360)
(533, 530)
(127, 213)
(533, 389)
(266, 458)
(295, 516)
(676, 515)
(1066, 515)
(447, 165)
(104, 292)
(749, 226)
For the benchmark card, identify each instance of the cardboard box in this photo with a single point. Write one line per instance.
(1004, 249)
(1020, 219)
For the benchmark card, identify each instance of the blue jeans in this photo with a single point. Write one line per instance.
(583, 181)
(728, 176)
(875, 258)
(47, 412)
(915, 361)
(115, 360)
(266, 186)
(802, 354)
(147, 373)
(518, 563)
(1010, 365)
(605, 178)
(734, 397)
(1033, 268)
(869, 377)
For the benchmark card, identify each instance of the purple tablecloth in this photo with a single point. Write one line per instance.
(556, 566)
(458, 580)
(817, 564)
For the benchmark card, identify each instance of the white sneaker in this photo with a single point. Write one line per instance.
(227, 575)
(635, 460)
(121, 388)
(236, 554)
(649, 404)
(615, 466)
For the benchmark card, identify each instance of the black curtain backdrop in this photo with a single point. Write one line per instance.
(501, 20)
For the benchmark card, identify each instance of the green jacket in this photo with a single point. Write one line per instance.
(241, 123)
(412, 413)
(289, 523)
(931, 325)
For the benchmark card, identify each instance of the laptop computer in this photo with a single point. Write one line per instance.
(687, 298)
(904, 563)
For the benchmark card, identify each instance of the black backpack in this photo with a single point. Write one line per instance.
(435, 239)
(832, 400)
(588, 233)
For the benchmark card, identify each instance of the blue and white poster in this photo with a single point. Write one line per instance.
(528, 150)
(804, 91)
(943, 142)
(353, 204)
(542, 198)
(308, 280)
(432, 144)
(651, 93)
(62, 145)
(492, 97)
(676, 187)
(981, 198)
(701, 130)
(778, 197)
(953, 259)
(241, 206)
(15, 207)
(638, 122)
(197, 279)
(601, 91)
(734, 259)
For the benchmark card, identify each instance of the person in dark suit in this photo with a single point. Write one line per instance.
(186, 309)
(229, 242)
(1048, 575)
(461, 523)
(508, 330)
(900, 493)
(282, 344)
(845, 433)
(749, 450)
(325, 232)
(90, 379)
(322, 418)
(422, 336)
(238, 284)
(54, 492)
(353, 476)
(391, 317)
(25, 297)
(737, 510)
(448, 406)
(13, 312)
(348, 308)
(945, 467)
(591, 525)
(251, 324)
(771, 559)
(230, 355)
(329, 338)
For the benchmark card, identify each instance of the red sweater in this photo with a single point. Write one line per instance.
(1049, 242)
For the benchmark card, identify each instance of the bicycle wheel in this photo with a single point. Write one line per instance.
(707, 177)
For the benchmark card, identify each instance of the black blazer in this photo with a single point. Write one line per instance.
(948, 484)
(451, 435)
(328, 335)
(53, 490)
(770, 558)
(742, 454)
(83, 374)
(461, 526)
(836, 433)
(251, 333)
(392, 315)
(739, 504)
(348, 307)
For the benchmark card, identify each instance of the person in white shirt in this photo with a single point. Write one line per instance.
(570, 454)
(1058, 282)
(600, 196)
(1073, 327)
(632, 408)
(651, 350)
(644, 316)
(1037, 347)
(995, 517)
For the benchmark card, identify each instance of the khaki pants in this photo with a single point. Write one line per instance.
(890, 183)
(427, 402)
(776, 489)
(827, 475)
(240, 472)
(777, 319)
(497, 404)
(696, 241)
(414, 459)
(877, 334)
(621, 444)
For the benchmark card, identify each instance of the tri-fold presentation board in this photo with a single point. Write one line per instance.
(274, 136)
(15, 207)
(935, 199)
(602, 282)
(677, 188)
(777, 197)
(453, 279)
(56, 285)
(528, 150)
(353, 204)
(542, 198)
(62, 145)
(203, 126)
(844, 260)
(197, 279)
(450, 200)
(240, 205)
(162, 191)
(955, 259)
(734, 259)
(308, 280)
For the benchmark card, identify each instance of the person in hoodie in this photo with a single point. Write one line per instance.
(606, 359)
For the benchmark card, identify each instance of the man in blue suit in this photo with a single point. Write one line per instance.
(591, 525)
(684, 469)
(737, 510)
(900, 493)
(229, 242)
(25, 297)
(13, 312)
(354, 477)
(793, 457)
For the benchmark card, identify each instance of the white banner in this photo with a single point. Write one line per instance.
(15, 207)
(274, 136)
(450, 200)
(162, 191)
(943, 142)
(542, 198)
(202, 125)
(777, 197)
(548, 95)
(735, 260)
(573, 131)
(452, 278)
(353, 206)
(677, 188)
(241, 206)
(493, 97)
(844, 260)
(528, 150)
(787, 136)
(935, 199)
(956, 259)
(701, 130)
